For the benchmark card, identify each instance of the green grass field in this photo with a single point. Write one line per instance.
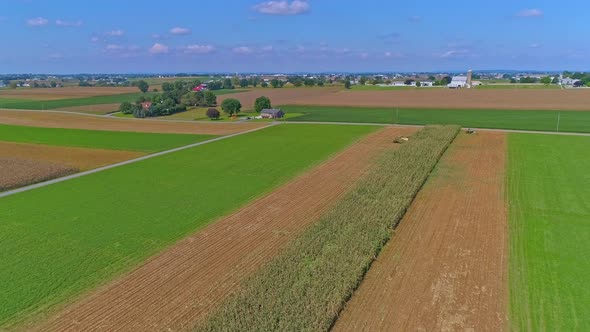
(570, 121)
(98, 100)
(98, 139)
(53, 104)
(60, 240)
(549, 195)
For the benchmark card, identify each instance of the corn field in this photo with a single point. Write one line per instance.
(306, 286)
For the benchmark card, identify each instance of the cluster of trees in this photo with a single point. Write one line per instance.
(176, 97)
(232, 106)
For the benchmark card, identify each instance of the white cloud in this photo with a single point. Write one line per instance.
(63, 23)
(116, 33)
(159, 49)
(243, 50)
(37, 22)
(199, 49)
(268, 48)
(364, 55)
(454, 54)
(180, 31)
(535, 45)
(531, 13)
(94, 39)
(284, 7)
(113, 47)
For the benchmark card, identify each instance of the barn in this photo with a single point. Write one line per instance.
(268, 113)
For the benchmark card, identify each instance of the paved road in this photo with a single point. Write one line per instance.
(127, 162)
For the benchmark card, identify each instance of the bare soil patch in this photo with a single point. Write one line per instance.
(530, 99)
(180, 286)
(76, 121)
(445, 269)
(282, 96)
(100, 109)
(20, 172)
(78, 158)
(64, 93)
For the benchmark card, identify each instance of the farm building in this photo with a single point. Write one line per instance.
(146, 105)
(201, 87)
(271, 113)
(461, 81)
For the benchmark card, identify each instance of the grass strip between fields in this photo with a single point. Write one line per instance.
(539, 120)
(98, 139)
(306, 286)
(549, 195)
(61, 240)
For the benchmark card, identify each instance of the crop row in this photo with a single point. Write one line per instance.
(306, 286)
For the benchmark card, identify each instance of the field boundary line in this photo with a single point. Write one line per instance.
(563, 133)
(109, 116)
(127, 162)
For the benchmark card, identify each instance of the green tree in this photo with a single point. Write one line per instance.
(193, 98)
(210, 98)
(231, 106)
(13, 85)
(213, 114)
(53, 84)
(227, 84)
(418, 84)
(167, 86)
(264, 85)
(275, 83)
(143, 86)
(363, 80)
(347, 84)
(244, 83)
(126, 108)
(262, 103)
(546, 80)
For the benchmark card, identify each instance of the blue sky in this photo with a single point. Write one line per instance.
(95, 36)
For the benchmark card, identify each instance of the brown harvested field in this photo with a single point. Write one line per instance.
(79, 158)
(532, 99)
(183, 284)
(20, 172)
(78, 121)
(445, 268)
(92, 109)
(282, 96)
(64, 93)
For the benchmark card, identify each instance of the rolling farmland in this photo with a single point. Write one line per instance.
(161, 200)
(542, 120)
(445, 268)
(548, 188)
(305, 287)
(78, 121)
(116, 140)
(197, 275)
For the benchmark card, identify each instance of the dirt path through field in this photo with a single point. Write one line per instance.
(64, 93)
(445, 269)
(77, 121)
(176, 288)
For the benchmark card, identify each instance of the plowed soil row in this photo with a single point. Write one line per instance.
(64, 93)
(15, 172)
(62, 120)
(79, 158)
(426, 98)
(183, 284)
(445, 269)
(100, 109)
